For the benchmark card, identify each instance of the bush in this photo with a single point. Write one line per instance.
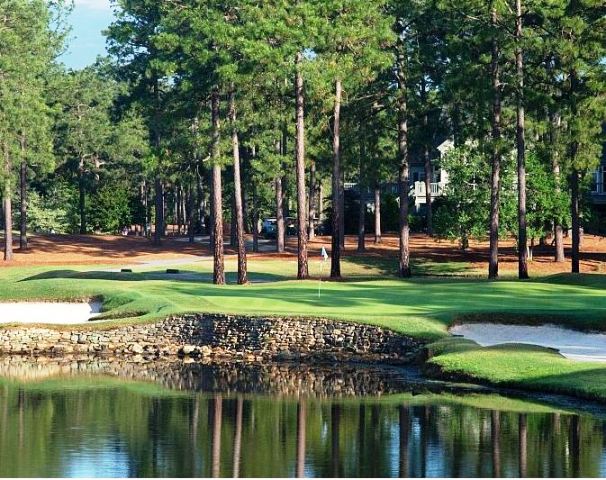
(109, 208)
(54, 212)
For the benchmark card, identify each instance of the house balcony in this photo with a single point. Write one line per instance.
(419, 192)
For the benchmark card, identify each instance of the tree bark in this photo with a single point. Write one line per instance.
(428, 182)
(342, 210)
(158, 185)
(362, 202)
(242, 267)
(217, 244)
(521, 150)
(191, 217)
(335, 263)
(159, 211)
(279, 190)
(23, 206)
(82, 198)
(428, 199)
(495, 179)
(378, 233)
(280, 228)
(311, 234)
(8, 223)
(558, 230)
(255, 220)
(404, 170)
(233, 239)
(576, 223)
(178, 209)
(302, 262)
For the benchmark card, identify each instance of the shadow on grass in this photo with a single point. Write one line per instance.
(589, 384)
(384, 266)
(182, 276)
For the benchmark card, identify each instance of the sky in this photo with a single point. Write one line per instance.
(88, 19)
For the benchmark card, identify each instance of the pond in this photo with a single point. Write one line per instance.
(106, 418)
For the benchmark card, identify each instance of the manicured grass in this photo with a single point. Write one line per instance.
(422, 308)
(520, 366)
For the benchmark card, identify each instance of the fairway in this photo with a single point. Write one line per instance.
(422, 308)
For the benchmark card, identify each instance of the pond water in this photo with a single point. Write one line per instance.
(83, 417)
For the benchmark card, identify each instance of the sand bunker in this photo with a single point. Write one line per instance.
(572, 344)
(49, 313)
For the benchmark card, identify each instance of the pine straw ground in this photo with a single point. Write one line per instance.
(431, 256)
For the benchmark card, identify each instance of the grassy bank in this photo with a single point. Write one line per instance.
(422, 308)
(519, 366)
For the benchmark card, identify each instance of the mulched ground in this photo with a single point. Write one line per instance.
(91, 250)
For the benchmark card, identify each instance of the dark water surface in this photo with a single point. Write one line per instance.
(109, 418)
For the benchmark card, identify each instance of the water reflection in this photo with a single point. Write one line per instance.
(93, 425)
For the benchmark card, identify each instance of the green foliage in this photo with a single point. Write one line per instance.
(54, 212)
(109, 208)
(462, 213)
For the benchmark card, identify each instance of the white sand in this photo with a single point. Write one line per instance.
(571, 344)
(49, 313)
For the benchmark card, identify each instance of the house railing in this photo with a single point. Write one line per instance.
(437, 189)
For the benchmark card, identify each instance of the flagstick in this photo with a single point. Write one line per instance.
(320, 279)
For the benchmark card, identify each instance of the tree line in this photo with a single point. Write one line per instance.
(207, 110)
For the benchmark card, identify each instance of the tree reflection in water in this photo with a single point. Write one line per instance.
(110, 427)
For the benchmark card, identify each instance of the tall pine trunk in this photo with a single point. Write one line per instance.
(495, 179)
(280, 228)
(342, 210)
(302, 262)
(279, 190)
(335, 264)
(362, 202)
(558, 230)
(217, 237)
(235, 142)
(8, 223)
(23, 206)
(191, 216)
(521, 148)
(404, 170)
(427, 161)
(233, 240)
(378, 233)
(428, 181)
(255, 218)
(158, 185)
(82, 198)
(574, 184)
(576, 220)
(7, 208)
(311, 233)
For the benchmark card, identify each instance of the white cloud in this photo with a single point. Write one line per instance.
(93, 4)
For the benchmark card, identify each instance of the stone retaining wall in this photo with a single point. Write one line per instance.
(222, 336)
